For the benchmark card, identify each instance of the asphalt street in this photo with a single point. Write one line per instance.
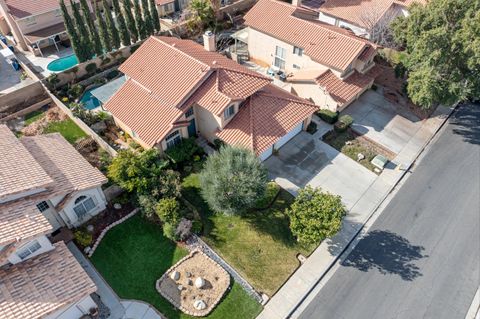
(421, 257)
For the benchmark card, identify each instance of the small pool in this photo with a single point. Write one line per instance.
(89, 101)
(62, 64)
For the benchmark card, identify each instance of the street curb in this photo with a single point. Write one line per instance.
(336, 258)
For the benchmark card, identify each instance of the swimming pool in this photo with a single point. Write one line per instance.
(89, 101)
(62, 64)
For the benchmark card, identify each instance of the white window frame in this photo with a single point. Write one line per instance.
(296, 66)
(29, 249)
(84, 202)
(280, 56)
(43, 206)
(229, 112)
(173, 139)
(297, 51)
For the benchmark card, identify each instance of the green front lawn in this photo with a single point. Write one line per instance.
(71, 131)
(33, 117)
(259, 244)
(134, 254)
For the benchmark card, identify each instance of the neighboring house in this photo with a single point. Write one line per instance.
(45, 173)
(177, 89)
(360, 16)
(34, 24)
(39, 279)
(167, 7)
(325, 64)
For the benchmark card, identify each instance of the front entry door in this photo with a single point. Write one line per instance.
(192, 128)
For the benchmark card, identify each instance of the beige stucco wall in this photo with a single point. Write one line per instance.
(207, 123)
(311, 91)
(262, 47)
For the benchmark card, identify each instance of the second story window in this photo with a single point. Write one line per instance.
(29, 249)
(298, 51)
(280, 55)
(189, 112)
(173, 139)
(228, 113)
(43, 206)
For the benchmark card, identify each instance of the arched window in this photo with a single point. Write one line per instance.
(84, 205)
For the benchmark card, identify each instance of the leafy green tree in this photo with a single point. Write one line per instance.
(168, 211)
(137, 172)
(92, 31)
(154, 15)
(122, 25)
(315, 215)
(81, 27)
(232, 180)
(111, 27)
(442, 40)
(142, 32)
(72, 33)
(203, 13)
(127, 8)
(103, 30)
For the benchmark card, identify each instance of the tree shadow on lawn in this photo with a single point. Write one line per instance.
(387, 252)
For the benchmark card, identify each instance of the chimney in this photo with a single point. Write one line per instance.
(209, 41)
(297, 3)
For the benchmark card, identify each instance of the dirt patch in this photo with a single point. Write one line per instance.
(53, 114)
(182, 291)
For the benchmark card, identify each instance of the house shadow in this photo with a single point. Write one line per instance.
(466, 123)
(389, 253)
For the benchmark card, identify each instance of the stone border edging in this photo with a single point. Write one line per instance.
(200, 313)
(102, 234)
(196, 243)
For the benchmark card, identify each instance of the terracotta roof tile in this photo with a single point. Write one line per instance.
(19, 171)
(325, 44)
(267, 116)
(40, 285)
(25, 8)
(342, 91)
(143, 111)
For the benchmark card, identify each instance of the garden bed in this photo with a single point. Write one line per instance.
(259, 244)
(351, 145)
(133, 255)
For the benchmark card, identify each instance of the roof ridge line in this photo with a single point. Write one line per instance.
(284, 98)
(253, 74)
(157, 38)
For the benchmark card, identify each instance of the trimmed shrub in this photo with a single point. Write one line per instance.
(75, 91)
(169, 231)
(184, 151)
(343, 123)
(327, 115)
(91, 68)
(83, 238)
(112, 74)
(168, 211)
(197, 227)
(218, 143)
(106, 61)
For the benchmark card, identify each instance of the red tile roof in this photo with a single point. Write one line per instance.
(329, 45)
(267, 115)
(43, 284)
(343, 91)
(168, 75)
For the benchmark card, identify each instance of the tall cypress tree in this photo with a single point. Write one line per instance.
(139, 20)
(122, 26)
(127, 8)
(81, 27)
(147, 18)
(154, 15)
(72, 33)
(111, 27)
(102, 30)
(92, 31)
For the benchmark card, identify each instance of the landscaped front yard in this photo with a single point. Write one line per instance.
(258, 244)
(134, 254)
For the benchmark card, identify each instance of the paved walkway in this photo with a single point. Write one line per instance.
(119, 309)
(305, 278)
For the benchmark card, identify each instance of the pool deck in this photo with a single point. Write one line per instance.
(50, 54)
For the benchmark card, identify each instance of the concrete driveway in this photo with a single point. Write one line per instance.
(386, 124)
(306, 160)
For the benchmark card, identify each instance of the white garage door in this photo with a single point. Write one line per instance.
(266, 154)
(287, 137)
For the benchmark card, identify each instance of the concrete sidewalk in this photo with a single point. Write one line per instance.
(291, 294)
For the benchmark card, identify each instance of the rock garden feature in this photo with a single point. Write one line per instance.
(195, 284)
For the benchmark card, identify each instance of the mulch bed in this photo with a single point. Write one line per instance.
(107, 217)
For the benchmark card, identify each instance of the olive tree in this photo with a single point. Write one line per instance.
(232, 180)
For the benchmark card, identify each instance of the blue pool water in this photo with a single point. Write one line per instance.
(62, 64)
(89, 101)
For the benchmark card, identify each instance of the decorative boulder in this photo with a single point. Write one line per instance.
(99, 127)
(175, 275)
(200, 304)
(117, 206)
(199, 282)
